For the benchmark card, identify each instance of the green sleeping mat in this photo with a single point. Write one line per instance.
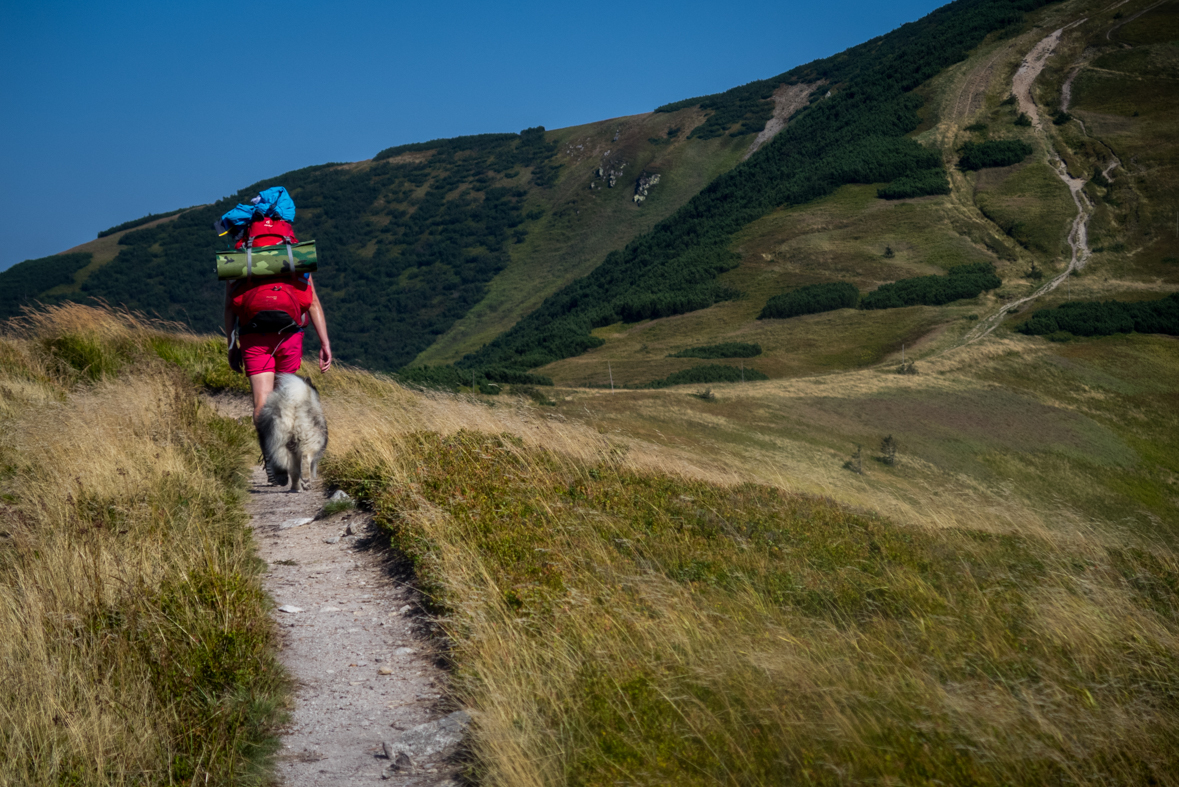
(267, 261)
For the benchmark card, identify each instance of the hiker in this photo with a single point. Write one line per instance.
(265, 315)
(268, 347)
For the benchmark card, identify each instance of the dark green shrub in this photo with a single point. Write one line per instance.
(812, 299)
(921, 184)
(993, 153)
(962, 281)
(726, 350)
(1023, 120)
(1102, 318)
(709, 373)
(490, 380)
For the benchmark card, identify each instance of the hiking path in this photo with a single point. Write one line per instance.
(353, 640)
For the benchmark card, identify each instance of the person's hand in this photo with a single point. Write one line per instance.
(325, 358)
(235, 358)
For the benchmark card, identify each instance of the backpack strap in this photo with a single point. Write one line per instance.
(249, 257)
(290, 257)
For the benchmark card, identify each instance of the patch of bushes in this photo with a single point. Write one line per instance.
(961, 281)
(993, 153)
(1103, 318)
(725, 350)
(27, 281)
(709, 373)
(812, 299)
(922, 184)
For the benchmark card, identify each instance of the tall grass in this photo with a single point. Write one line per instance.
(134, 642)
(620, 617)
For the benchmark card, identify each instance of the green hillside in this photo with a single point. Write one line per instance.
(1016, 217)
(562, 252)
(412, 240)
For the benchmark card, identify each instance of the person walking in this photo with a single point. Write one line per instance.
(265, 316)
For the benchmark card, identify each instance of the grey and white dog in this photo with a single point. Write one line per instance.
(292, 431)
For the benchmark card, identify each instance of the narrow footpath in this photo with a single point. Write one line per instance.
(370, 703)
(1078, 240)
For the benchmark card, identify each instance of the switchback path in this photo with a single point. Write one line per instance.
(1078, 239)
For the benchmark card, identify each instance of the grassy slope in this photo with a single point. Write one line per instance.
(1013, 217)
(585, 219)
(135, 644)
(997, 608)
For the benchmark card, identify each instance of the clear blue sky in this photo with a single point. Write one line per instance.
(113, 110)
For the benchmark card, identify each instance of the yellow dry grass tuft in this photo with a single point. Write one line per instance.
(626, 609)
(134, 643)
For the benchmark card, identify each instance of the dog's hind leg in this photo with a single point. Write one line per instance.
(305, 480)
(298, 483)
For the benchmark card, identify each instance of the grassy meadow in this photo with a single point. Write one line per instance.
(135, 646)
(643, 587)
(649, 587)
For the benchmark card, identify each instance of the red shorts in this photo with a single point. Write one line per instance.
(270, 352)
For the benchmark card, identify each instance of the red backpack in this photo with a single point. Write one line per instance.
(267, 232)
(271, 304)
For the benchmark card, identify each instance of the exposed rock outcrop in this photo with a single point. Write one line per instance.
(643, 186)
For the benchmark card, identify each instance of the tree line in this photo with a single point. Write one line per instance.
(405, 249)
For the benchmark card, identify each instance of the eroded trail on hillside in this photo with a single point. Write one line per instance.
(1078, 239)
(366, 674)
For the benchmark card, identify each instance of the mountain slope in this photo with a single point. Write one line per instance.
(1016, 217)
(531, 250)
(413, 239)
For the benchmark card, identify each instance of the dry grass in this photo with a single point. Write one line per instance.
(134, 643)
(628, 612)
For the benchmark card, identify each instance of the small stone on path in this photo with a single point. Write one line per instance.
(289, 608)
(289, 523)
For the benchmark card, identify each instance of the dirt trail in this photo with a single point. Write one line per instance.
(1078, 239)
(355, 621)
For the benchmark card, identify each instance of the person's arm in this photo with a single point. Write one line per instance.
(320, 325)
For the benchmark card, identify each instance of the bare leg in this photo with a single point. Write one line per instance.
(262, 384)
